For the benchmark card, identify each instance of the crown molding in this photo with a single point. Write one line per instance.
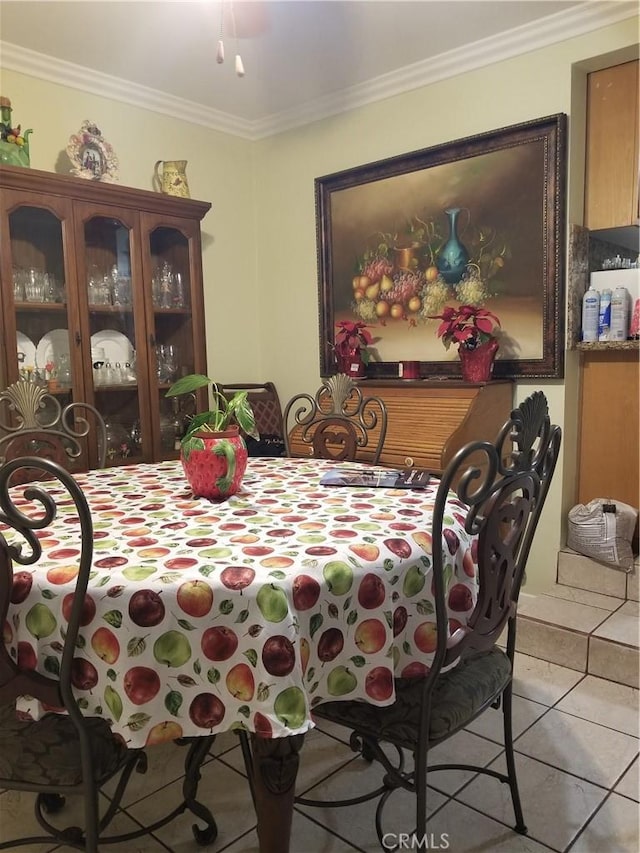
(515, 42)
(33, 64)
(520, 40)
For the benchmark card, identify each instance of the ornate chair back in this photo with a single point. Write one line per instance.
(268, 414)
(501, 501)
(35, 424)
(65, 752)
(60, 753)
(499, 494)
(337, 423)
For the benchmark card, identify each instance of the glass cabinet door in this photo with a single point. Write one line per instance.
(171, 262)
(112, 317)
(45, 339)
(40, 309)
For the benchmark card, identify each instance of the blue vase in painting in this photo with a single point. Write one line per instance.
(453, 257)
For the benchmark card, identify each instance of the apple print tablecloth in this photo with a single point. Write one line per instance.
(202, 617)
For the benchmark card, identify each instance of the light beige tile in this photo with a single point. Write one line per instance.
(320, 755)
(557, 645)
(603, 702)
(562, 612)
(467, 831)
(165, 764)
(545, 793)
(579, 746)
(490, 725)
(630, 783)
(462, 748)
(356, 823)
(341, 733)
(614, 828)
(584, 596)
(305, 836)
(541, 680)
(225, 793)
(622, 626)
(17, 819)
(614, 661)
(633, 583)
(580, 571)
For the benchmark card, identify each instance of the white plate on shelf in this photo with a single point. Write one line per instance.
(117, 347)
(26, 351)
(51, 346)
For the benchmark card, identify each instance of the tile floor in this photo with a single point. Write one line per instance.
(577, 756)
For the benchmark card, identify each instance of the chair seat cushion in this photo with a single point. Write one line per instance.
(458, 696)
(47, 751)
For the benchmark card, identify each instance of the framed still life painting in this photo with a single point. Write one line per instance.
(478, 221)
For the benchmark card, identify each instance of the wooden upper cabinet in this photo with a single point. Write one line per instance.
(612, 166)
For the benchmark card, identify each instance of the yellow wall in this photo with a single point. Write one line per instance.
(259, 246)
(527, 87)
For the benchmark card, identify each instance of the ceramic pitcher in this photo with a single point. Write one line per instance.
(172, 177)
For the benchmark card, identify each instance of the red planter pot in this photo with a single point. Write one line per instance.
(352, 364)
(477, 364)
(214, 462)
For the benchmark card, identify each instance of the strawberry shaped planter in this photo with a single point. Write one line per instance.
(214, 462)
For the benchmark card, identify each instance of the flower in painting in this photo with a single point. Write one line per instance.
(468, 325)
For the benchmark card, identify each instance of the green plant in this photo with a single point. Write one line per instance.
(225, 410)
(468, 325)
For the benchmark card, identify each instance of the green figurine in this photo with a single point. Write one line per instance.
(14, 145)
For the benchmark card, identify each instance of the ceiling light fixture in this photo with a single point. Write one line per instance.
(220, 49)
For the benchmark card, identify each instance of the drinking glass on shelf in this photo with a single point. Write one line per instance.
(34, 286)
(110, 373)
(166, 286)
(167, 362)
(18, 284)
(178, 291)
(52, 289)
(121, 291)
(64, 370)
(99, 377)
(136, 435)
(155, 287)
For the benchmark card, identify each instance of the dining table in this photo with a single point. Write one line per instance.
(202, 617)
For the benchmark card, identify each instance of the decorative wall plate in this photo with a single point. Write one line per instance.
(91, 155)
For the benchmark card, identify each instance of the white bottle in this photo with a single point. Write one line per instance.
(590, 314)
(604, 321)
(619, 315)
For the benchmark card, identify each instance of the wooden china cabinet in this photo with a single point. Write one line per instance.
(102, 300)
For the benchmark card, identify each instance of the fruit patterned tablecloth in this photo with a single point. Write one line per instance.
(202, 617)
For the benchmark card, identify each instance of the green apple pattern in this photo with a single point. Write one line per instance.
(204, 616)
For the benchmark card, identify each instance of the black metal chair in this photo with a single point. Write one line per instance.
(501, 501)
(337, 423)
(268, 414)
(64, 753)
(37, 425)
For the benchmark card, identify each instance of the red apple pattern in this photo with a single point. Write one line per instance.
(202, 616)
